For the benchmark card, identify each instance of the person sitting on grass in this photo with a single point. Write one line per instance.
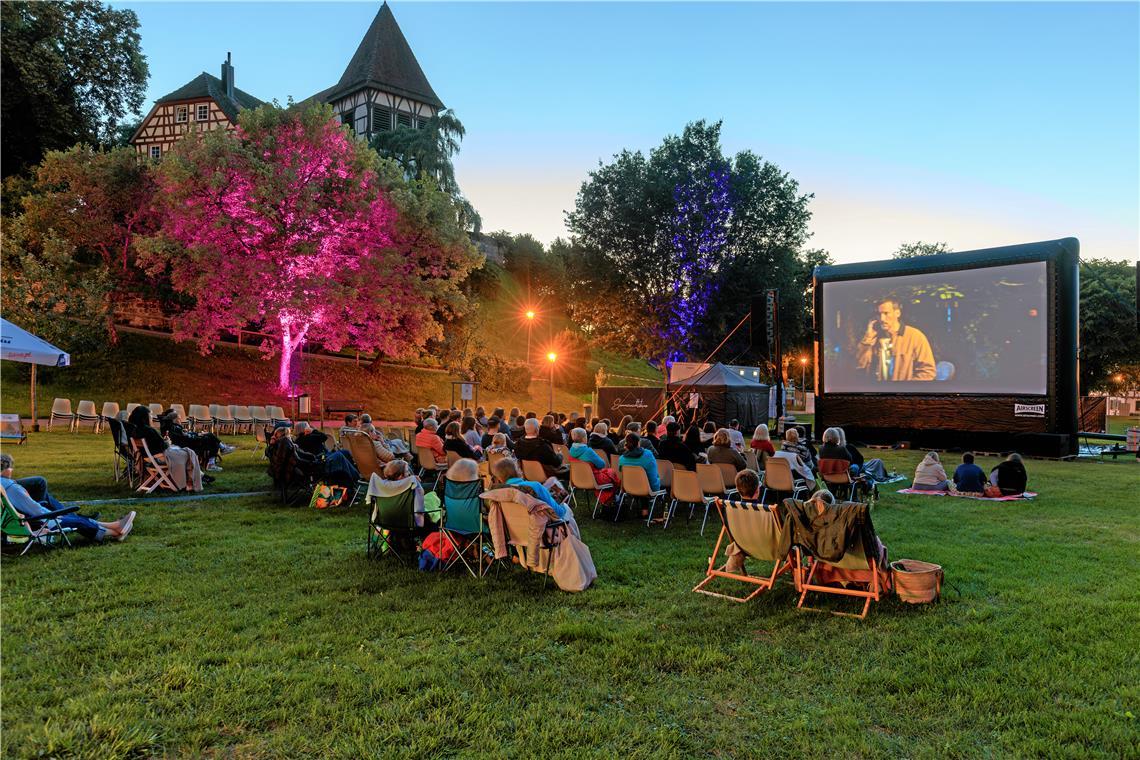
(533, 448)
(674, 449)
(968, 477)
(1010, 476)
(723, 452)
(428, 440)
(185, 469)
(929, 475)
(603, 473)
(454, 441)
(600, 438)
(30, 497)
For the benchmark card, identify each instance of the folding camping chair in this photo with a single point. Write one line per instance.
(393, 513)
(687, 490)
(364, 456)
(582, 479)
(124, 462)
(516, 521)
(18, 530)
(85, 412)
(462, 524)
(778, 477)
(12, 429)
(755, 529)
(156, 471)
(61, 410)
(857, 576)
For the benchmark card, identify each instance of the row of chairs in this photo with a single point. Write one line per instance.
(220, 418)
(756, 531)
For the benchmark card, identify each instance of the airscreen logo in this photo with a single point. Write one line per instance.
(1028, 410)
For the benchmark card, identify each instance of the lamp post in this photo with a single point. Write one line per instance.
(552, 356)
(803, 378)
(529, 323)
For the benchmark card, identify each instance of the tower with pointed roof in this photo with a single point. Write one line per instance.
(383, 86)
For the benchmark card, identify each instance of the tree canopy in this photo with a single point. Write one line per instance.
(920, 248)
(667, 250)
(1110, 341)
(71, 72)
(291, 225)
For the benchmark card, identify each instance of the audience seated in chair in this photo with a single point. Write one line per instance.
(454, 441)
(185, 469)
(337, 467)
(722, 451)
(603, 473)
(600, 438)
(428, 440)
(636, 456)
(673, 449)
(30, 497)
(207, 446)
(533, 448)
(793, 442)
(762, 441)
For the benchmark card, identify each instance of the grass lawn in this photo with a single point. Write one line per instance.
(240, 628)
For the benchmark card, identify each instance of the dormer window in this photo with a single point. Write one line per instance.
(203, 112)
(182, 114)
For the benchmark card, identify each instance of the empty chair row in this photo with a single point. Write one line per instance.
(220, 417)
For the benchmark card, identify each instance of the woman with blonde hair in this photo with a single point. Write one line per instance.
(722, 451)
(762, 440)
(929, 475)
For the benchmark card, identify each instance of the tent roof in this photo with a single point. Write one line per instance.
(718, 376)
(19, 345)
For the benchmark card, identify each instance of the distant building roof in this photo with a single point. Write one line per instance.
(208, 86)
(385, 61)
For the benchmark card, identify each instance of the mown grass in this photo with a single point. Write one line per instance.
(240, 628)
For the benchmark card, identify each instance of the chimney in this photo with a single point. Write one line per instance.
(228, 77)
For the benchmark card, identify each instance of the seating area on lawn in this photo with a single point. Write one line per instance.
(225, 601)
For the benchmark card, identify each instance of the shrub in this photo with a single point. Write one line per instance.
(501, 375)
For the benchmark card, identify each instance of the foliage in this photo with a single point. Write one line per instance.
(527, 258)
(500, 375)
(571, 368)
(667, 250)
(71, 72)
(292, 225)
(919, 248)
(238, 627)
(425, 153)
(1110, 341)
(71, 246)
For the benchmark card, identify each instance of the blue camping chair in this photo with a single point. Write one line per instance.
(462, 525)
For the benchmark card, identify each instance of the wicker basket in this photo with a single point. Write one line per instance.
(915, 581)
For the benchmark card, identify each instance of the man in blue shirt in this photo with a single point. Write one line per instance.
(968, 477)
(30, 497)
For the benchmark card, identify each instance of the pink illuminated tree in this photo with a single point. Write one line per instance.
(292, 227)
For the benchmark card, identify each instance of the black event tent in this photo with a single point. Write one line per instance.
(725, 395)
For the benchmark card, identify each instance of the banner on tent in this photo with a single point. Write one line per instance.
(640, 403)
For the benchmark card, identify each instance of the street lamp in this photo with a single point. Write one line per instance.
(529, 322)
(803, 378)
(551, 356)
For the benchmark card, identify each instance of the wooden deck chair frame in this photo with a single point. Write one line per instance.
(61, 410)
(460, 540)
(392, 513)
(683, 477)
(740, 514)
(85, 412)
(157, 474)
(17, 529)
(853, 559)
(582, 479)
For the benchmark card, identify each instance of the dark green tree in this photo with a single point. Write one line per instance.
(71, 71)
(1110, 342)
(425, 153)
(666, 251)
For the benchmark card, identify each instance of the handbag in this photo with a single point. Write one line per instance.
(992, 491)
(325, 496)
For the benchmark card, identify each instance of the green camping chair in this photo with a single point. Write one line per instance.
(17, 529)
(462, 524)
(393, 513)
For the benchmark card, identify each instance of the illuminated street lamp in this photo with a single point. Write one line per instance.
(529, 321)
(551, 356)
(803, 376)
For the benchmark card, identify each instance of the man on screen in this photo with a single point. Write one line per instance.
(891, 350)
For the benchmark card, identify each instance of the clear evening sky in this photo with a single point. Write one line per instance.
(977, 124)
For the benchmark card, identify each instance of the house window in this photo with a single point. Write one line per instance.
(346, 118)
(156, 151)
(182, 114)
(381, 119)
(203, 111)
(404, 120)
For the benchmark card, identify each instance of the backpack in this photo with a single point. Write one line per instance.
(325, 496)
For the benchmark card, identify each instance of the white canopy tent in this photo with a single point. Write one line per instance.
(19, 345)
